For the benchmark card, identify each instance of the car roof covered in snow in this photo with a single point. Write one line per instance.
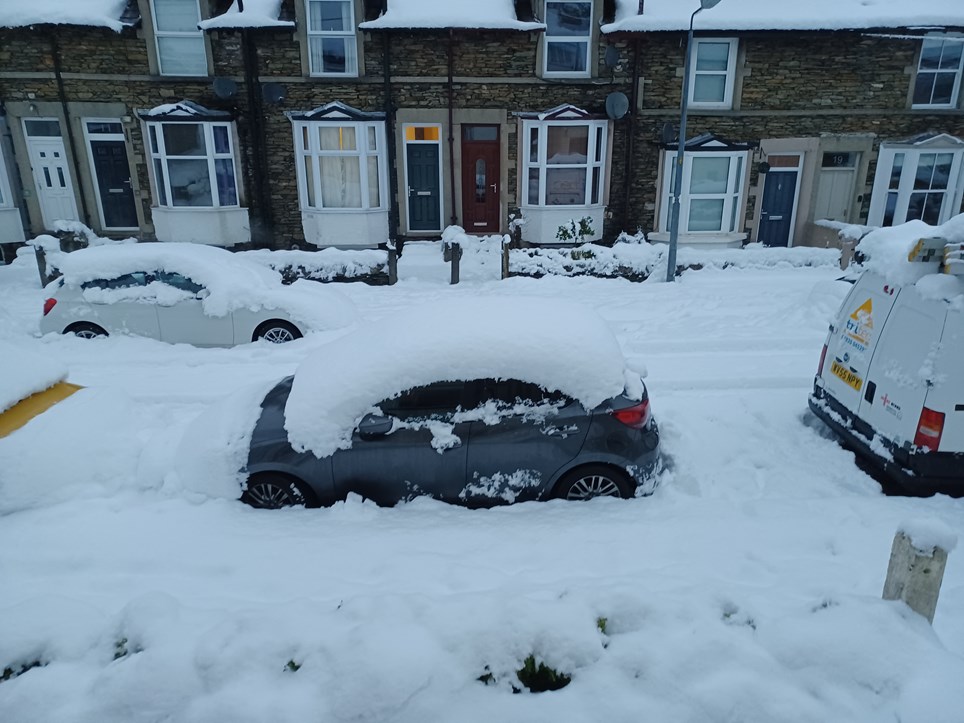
(558, 345)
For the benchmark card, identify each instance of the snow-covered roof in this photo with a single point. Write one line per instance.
(779, 15)
(256, 14)
(559, 345)
(26, 373)
(233, 282)
(96, 13)
(476, 14)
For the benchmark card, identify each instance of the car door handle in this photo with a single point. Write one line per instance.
(870, 391)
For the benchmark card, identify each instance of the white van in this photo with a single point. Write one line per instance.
(891, 374)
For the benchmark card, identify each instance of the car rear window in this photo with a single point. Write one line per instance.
(514, 391)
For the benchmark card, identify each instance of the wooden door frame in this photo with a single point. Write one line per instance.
(798, 169)
(93, 168)
(497, 145)
(441, 194)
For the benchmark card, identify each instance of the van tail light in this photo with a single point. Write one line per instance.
(823, 358)
(636, 417)
(48, 305)
(929, 429)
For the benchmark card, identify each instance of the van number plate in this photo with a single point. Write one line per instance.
(849, 378)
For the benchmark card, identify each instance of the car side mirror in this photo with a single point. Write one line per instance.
(375, 425)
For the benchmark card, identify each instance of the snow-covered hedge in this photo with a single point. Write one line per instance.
(325, 264)
(636, 261)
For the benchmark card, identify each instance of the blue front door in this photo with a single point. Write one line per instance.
(424, 209)
(776, 216)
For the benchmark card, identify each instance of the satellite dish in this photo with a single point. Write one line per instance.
(612, 56)
(616, 105)
(273, 93)
(225, 88)
(668, 134)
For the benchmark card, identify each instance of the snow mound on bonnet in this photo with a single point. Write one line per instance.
(233, 282)
(556, 344)
(886, 249)
(25, 373)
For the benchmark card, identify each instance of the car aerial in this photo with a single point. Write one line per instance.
(189, 293)
(889, 381)
(477, 403)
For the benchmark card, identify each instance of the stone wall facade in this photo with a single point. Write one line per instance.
(788, 86)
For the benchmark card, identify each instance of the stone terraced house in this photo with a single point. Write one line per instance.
(312, 123)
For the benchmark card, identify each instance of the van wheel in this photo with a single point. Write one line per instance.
(272, 491)
(85, 330)
(595, 480)
(276, 331)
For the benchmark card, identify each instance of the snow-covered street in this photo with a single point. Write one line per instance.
(746, 589)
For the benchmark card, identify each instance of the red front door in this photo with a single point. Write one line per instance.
(481, 191)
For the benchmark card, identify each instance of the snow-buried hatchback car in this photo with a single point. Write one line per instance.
(187, 293)
(478, 403)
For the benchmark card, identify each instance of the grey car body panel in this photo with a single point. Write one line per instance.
(519, 458)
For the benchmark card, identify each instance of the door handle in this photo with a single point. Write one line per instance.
(494, 187)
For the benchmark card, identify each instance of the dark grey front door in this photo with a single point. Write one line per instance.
(776, 215)
(424, 209)
(114, 183)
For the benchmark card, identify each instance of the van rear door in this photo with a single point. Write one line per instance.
(902, 367)
(946, 394)
(853, 338)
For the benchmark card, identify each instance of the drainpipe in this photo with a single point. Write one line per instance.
(393, 216)
(453, 218)
(630, 143)
(62, 93)
(263, 224)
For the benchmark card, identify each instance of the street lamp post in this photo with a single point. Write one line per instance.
(681, 146)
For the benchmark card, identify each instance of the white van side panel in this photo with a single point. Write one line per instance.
(947, 393)
(902, 366)
(851, 344)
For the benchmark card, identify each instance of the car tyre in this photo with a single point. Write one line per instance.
(585, 483)
(277, 332)
(272, 491)
(85, 330)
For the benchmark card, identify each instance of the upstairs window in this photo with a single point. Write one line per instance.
(567, 38)
(193, 164)
(938, 80)
(565, 162)
(712, 72)
(180, 44)
(331, 38)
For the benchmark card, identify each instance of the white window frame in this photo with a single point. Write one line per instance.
(6, 195)
(905, 185)
(349, 36)
(956, 72)
(362, 152)
(598, 137)
(733, 197)
(159, 35)
(729, 74)
(158, 152)
(549, 39)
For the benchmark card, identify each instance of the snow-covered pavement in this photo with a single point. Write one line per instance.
(747, 588)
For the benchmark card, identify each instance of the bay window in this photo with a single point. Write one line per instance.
(179, 42)
(924, 183)
(341, 165)
(712, 191)
(564, 162)
(568, 36)
(331, 38)
(193, 164)
(938, 80)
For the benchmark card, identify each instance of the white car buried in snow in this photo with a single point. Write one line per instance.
(189, 293)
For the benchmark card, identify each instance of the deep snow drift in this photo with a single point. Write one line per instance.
(747, 588)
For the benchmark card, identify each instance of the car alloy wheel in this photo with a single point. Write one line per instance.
(593, 481)
(268, 492)
(85, 331)
(278, 332)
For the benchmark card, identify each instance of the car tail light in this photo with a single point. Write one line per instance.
(929, 429)
(823, 358)
(48, 305)
(636, 417)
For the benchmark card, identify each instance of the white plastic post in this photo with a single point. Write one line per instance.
(914, 575)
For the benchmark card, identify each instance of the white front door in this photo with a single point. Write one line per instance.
(51, 175)
(835, 186)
